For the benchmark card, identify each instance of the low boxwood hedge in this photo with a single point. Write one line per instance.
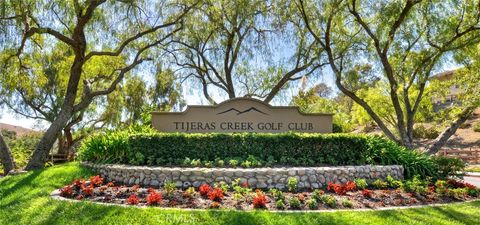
(147, 147)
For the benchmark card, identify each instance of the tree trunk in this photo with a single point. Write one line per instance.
(61, 144)
(68, 140)
(8, 161)
(39, 156)
(442, 139)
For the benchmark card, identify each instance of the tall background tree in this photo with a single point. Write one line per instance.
(114, 31)
(244, 48)
(403, 42)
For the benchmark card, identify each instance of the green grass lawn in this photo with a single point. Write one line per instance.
(473, 168)
(24, 199)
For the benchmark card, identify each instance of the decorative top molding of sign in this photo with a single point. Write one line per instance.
(241, 115)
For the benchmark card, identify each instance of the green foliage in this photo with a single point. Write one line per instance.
(233, 162)
(392, 183)
(361, 184)
(294, 203)
(312, 203)
(458, 193)
(317, 195)
(169, 188)
(421, 131)
(196, 163)
(449, 167)
(476, 127)
(342, 120)
(21, 146)
(379, 184)
(239, 189)
(277, 194)
(292, 184)
(347, 203)
(222, 185)
(293, 149)
(416, 185)
(280, 204)
(138, 159)
(330, 201)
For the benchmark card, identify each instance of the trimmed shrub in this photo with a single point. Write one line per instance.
(449, 167)
(147, 147)
(421, 131)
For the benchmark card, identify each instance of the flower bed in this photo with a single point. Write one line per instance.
(238, 194)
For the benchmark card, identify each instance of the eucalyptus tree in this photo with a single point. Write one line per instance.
(251, 48)
(122, 33)
(403, 42)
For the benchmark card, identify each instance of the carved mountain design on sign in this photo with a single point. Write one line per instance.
(238, 112)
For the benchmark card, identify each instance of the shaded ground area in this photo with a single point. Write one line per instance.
(24, 199)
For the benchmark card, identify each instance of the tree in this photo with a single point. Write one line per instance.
(8, 162)
(86, 29)
(314, 100)
(305, 98)
(466, 78)
(402, 41)
(227, 47)
(166, 92)
(39, 97)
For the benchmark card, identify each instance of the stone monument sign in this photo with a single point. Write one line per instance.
(241, 115)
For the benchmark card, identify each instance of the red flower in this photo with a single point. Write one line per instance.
(154, 198)
(78, 183)
(367, 193)
(341, 189)
(349, 186)
(133, 200)
(67, 191)
(88, 190)
(110, 184)
(96, 180)
(259, 200)
(337, 188)
(245, 184)
(204, 189)
(216, 195)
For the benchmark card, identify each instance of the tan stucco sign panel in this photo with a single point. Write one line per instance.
(241, 115)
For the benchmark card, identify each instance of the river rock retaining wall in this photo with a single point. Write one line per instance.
(308, 177)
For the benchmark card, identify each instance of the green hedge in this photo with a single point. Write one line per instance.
(146, 147)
